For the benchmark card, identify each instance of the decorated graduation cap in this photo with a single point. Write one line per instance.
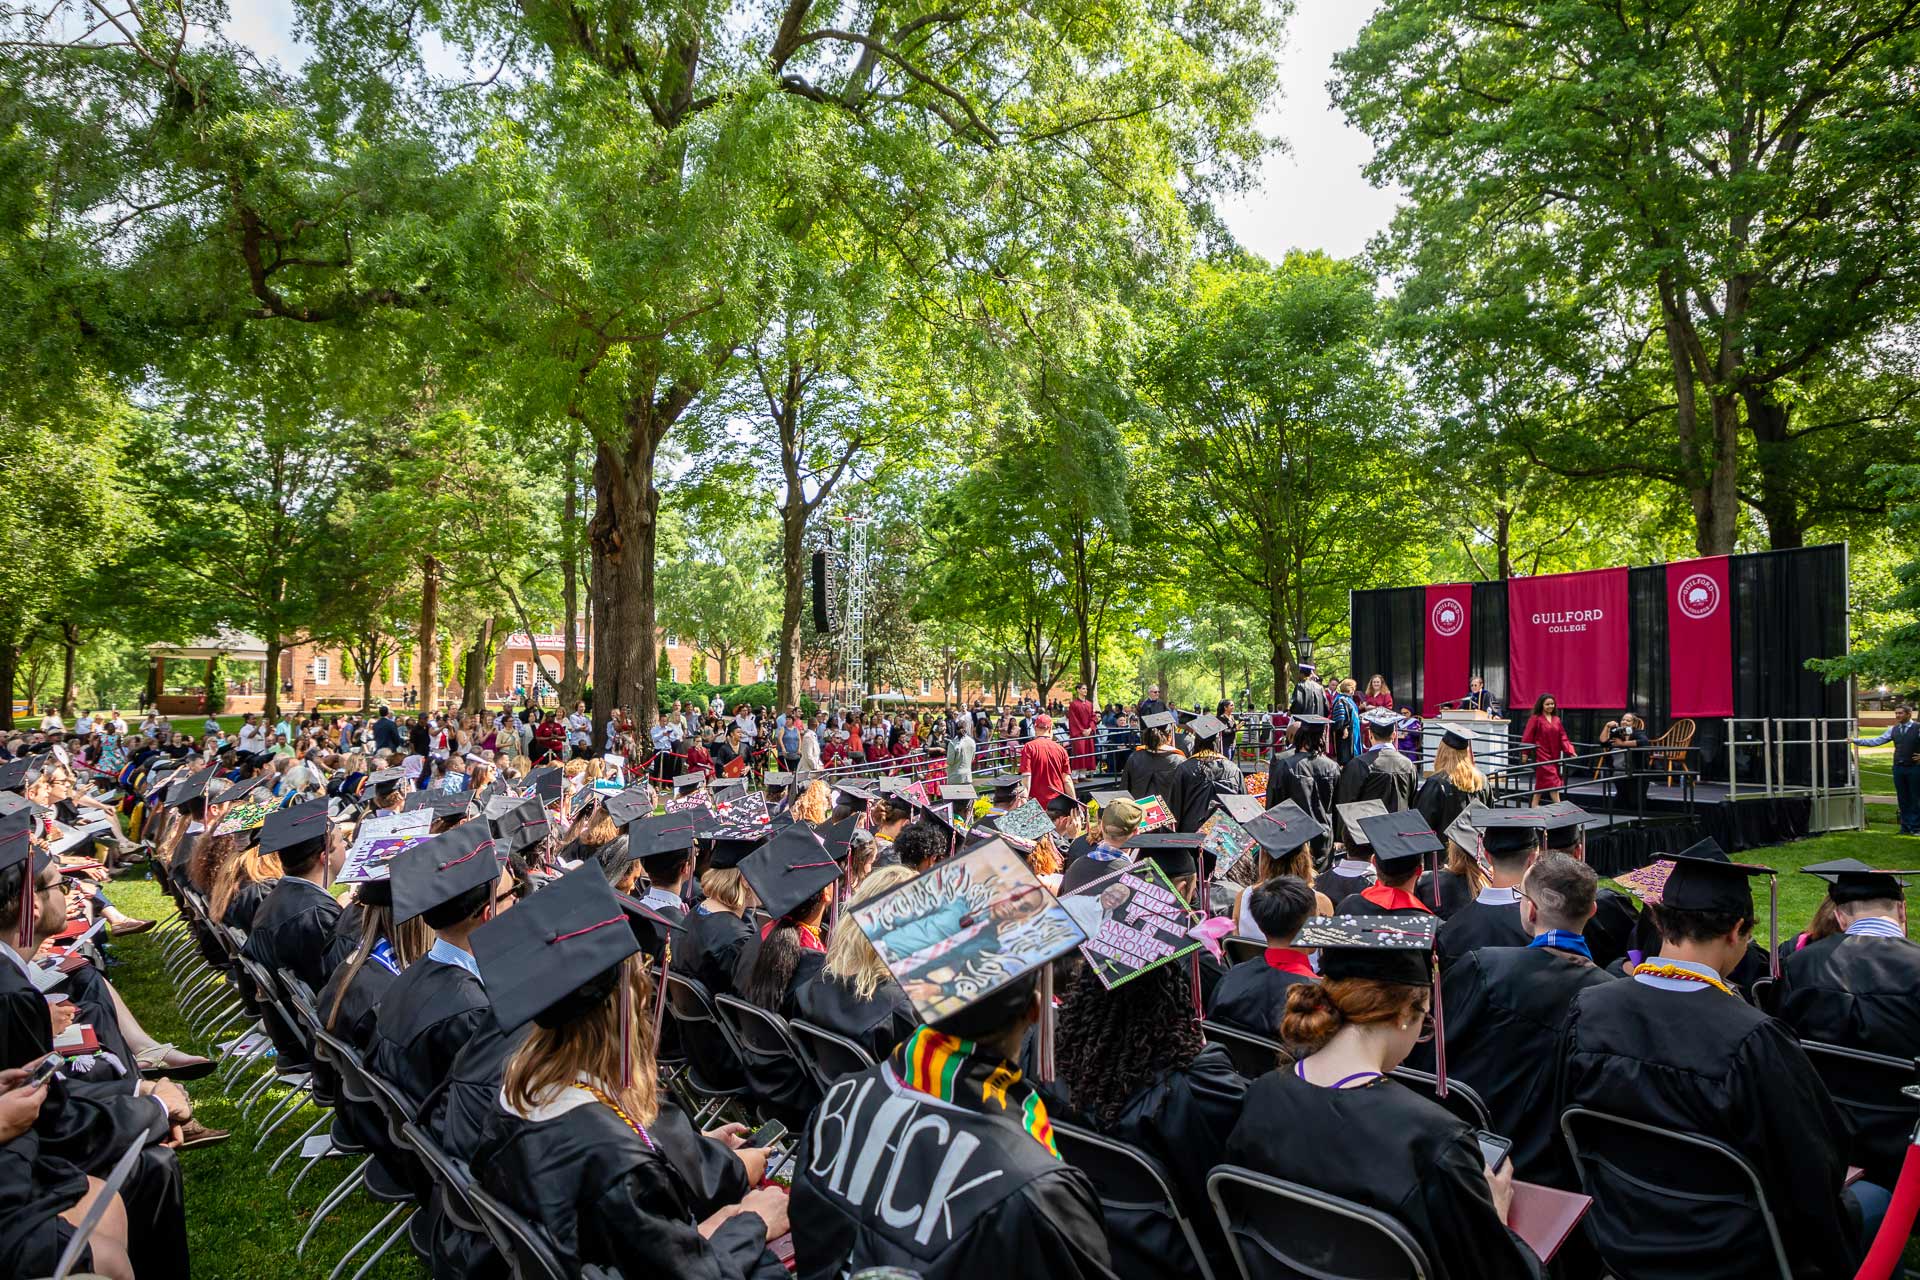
(1505, 831)
(1174, 852)
(630, 806)
(1851, 880)
(294, 825)
(1159, 720)
(794, 865)
(1351, 815)
(191, 787)
(1456, 739)
(1382, 718)
(1396, 948)
(1207, 726)
(1241, 808)
(441, 868)
(545, 784)
(1284, 828)
(1400, 837)
(518, 824)
(13, 775)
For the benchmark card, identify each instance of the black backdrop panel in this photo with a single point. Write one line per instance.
(1787, 607)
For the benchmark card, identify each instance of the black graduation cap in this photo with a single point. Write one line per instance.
(857, 794)
(1241, 808)
(1851, 880)
(1400, 837)
(241, 790)
(839, 837)
(687, 781)
(1508, 830)
(1710, 883)
(385, 780)
(443, 804)
(664, 833)
(1173, 851)
(1456, 739)
(1004, 782)
(731, 850)
(295, 824)
(957, 791)
(630, 806)
(1351, 815)
(793, 866)
(16, 841)
(1207, 726)
(13, 775)
(1105, 798)
(1159, 720)
(772, 780)
(518, 825)
(12, 802)
(1284, 828)
(1562, 821)
(443, 867)
(554, 956)
(728, 790)
(1396, 948)
(190, 787)
(544, 785)
(1305, 719)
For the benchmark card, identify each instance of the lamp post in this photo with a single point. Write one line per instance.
(1303, 647)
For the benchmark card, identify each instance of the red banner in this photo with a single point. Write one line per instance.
(1700, 637)
(1567, 636)
(1448, 663)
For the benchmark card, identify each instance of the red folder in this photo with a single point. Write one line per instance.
(76, 1041)
(1544, 1217)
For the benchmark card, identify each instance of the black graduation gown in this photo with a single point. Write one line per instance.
(106, 1115)
(1698, 1061)
(243, 909)
(1392, 1150)
(293, 929)
(354, 1023)
(966, 1193)
(783, 1088)
(605, 1196)
(1381, 774)
(1859, 992)
(1445, 892)
(709, 951)
(1195, 786)
(877, 1024)
(1440, 802)
(346, 934)
(1252, 996)
(1149, 773)
(1607, 935)
(1476, 925)
(424, 1019)
(1183, 1121)
(1359, 904)
(1504, 1007)
(1310, 783)
(456, 1117)
(34, 1191)
(1337, 887)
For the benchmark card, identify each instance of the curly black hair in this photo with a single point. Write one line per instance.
(1112, 1044)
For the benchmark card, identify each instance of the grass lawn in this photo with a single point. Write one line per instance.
(1876, 770)
(240, 1223)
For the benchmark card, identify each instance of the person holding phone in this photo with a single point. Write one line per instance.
(1336, 1120)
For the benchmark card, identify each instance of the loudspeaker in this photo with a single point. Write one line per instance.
(826, 594)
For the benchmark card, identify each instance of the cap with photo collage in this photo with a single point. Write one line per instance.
(630, 806)
(517, 824)
(1850, 880)
(1174, 852)
(1509, 831)
(1400, 837)
(1284, 828)
(1396, 948)
(1351, 815)
(294, 825)
(789, 870)
(13, 775)
(441, 868)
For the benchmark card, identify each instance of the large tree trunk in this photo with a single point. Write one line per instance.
(793, 598)
(473, 698)
(366, 686)
(1503, 540)
(9, 667)
(1083, 617)
(429, 644)
(1710, 467)
(571, 678)
(1773, 457)
(622, 538)
(271, 708)
(70, 649)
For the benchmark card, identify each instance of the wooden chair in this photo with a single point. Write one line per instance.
(1671, 747)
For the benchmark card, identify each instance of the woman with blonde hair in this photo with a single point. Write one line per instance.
(720, 925)
(1455, 783)
(582, 1142)
(854, 995)
(814, 805)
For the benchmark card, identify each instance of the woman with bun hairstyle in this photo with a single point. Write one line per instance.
(1335, 1120)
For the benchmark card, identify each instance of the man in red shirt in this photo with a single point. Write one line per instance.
(1044, 761)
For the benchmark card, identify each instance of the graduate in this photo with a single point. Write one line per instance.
(294, 928)
(1283, 836)
(853, 995)
(794, 877)
(1400, 841)
(1150, 768)
(1511, 839)
(1610, 932)
(1456, 781)
(978, 1190)
(580, 1142)
(1253, 994)
(1208, 775)
(1310, 779)
(1377, 771)
(1336, 1121)
(454, 883)
(1857, 989)
(664, 846)
(1353, 870)
(718, 928)
(1505, 1006)
(1674, 1047)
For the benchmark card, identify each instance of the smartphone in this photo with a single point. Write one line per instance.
(1493, 1148)
(43, 1071)
(768, 1134)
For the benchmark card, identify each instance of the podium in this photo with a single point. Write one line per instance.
(1491, 734)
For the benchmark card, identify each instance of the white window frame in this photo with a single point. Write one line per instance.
(673, 641)
(320, 668)
(520, 675)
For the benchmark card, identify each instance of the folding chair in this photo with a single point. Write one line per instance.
(1280, 1230)
(523, 1244)
(770, 1051)
(83, 1232)
(452, 1183)
(1131, 1185)
(1869, 1089)
(713, 1068)
(1252, 1055)
(392, 1187)
(1241, 950)
(833, 1054)
(1461, 1098)
(1693, 1176)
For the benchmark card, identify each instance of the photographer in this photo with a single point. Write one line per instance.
(1626, 743)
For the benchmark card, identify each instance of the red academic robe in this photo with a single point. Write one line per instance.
(1081, 717)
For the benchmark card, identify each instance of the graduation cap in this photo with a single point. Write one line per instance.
(859, 795)
(384, 781)
(1504, 831)
(1851, 880)
(1315, 720)
(663, 834)
(191, 787)
(441, 868)
(687, 781)
(520, 824)
(1159, 720)
(955, 791)
(1105, 798)
(1562, 821)
(630, 806)
(1003, 782)
(544, 784)
(12, 802)
(1464, 831)
(773, 780)
(16, 847)
(729, 790)
(1207, 726)
(444, 804)
(558, 955)
(1456, 739)
(1703, 879)
(1305, 668)
(293, 825)
(1396, 948)
(13, 775)
(1284, 828)
(794, 865)
(1351, 816)
(1174, 852)
(839, 837)
(1382, 718)
(1242, 809)
(730, 850)
(1400, 837)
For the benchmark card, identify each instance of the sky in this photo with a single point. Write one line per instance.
(1313, 195)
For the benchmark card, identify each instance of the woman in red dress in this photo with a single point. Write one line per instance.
(1550, 743)
(1082, 715)
(1378, 695)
